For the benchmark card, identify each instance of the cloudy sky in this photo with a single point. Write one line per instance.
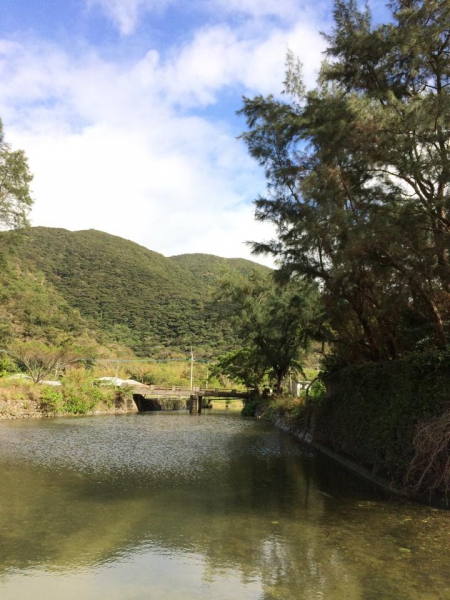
(126, 110)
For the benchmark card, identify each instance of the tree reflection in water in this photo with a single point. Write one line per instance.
(200, 507)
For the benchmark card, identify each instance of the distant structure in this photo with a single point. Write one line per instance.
(297, 387)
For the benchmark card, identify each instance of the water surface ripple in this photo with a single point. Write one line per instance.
(172, 506)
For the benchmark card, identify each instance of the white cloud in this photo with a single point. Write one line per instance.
(219, 57)
(126, 13)
(117, 181)
(114, 147)
(285, 9)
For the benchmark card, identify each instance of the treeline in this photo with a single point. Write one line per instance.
(358, 174)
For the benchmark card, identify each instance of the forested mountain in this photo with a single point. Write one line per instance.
(156, 306)
(207, 269)
(31, 308)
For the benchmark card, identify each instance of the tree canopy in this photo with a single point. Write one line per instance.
(274, 324)
(15, 178)
(40, 360)
(359, 177)
(247, 366)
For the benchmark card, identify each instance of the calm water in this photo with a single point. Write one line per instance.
(171, 506)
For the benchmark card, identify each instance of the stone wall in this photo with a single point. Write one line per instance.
(35, 409)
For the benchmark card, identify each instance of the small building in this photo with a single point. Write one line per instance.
(297, 387)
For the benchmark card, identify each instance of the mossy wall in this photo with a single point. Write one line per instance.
(371, 412)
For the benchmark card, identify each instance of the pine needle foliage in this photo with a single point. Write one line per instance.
(358, 174)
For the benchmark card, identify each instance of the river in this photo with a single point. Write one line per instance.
(179, 507)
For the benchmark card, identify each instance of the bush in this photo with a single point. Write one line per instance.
(142, 376)
(18, 389)
(316, 392)
(429, 470)
(7, 366)
(290, 407)
(79, 401)
(77, 396)
(251, 406)
(52, 400)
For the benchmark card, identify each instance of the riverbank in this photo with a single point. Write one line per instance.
(21, 399)
(390, 422)
(25, 400)
(304, 436)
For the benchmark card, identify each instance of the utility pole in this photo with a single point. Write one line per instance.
(207, 375)
(192, 369)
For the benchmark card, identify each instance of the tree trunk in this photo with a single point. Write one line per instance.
(279, 376)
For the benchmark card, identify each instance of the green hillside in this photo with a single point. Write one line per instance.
(155, 305)
(208, 269)
(32, 308)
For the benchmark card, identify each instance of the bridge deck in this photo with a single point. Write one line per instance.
(149, 391)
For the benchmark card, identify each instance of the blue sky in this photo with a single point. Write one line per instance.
(126, 110)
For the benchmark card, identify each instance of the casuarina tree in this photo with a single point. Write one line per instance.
(359, 178)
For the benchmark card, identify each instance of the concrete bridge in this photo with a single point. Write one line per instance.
(142, 392)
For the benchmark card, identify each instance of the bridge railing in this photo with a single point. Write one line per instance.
(197, 391)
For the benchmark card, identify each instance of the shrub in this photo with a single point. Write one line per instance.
(429, 470)
(142, 376)
(291, 407)
(7, 366)
(52, 400)
(316, 392)
(77, 395)
(252, 405)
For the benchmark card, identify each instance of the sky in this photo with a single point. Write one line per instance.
(126, 110)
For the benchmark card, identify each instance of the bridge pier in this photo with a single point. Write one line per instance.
(195, 405)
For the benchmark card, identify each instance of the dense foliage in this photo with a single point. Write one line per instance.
(377, 410)
(75, 396)
(31, 308)
(15, 178)
(246, 366)
(359, 179)
(137, 298)
(39, 359)
(274, 323)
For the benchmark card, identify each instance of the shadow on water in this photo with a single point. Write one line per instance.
(195, 507)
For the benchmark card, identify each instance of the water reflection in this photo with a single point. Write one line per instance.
(177, 506)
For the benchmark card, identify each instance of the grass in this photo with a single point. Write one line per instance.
(14, 390)
(77, 395)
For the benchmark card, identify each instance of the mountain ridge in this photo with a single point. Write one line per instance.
(155, 305)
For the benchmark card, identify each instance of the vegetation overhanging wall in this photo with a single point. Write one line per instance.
(380, 415)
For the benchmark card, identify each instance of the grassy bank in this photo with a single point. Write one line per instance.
(76, 396)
